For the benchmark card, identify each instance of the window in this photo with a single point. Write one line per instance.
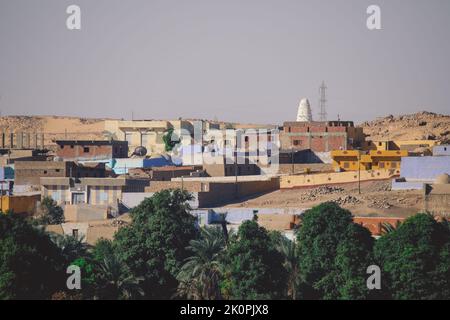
(75, 233)
(297, 142)
(103, 196)
(145, 139)
(71, 146)
(381, 165)
(128, 137)
(346, 164)
(57, 170)
(45, 171)
(85, 149)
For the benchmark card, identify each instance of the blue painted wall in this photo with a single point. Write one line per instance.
(424, 168)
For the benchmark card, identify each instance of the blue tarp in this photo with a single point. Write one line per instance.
(121, 166)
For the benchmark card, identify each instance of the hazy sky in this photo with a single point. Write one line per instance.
(237, 60)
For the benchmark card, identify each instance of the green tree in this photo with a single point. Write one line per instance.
(289, 251)
(51, 212)
(89, 270)
(333, 254)
(109, 135)
(154, 245)
(200, 274)
(415, 259)
(31, 266)
(70, 247)
(170, 139)
(102, 249)
(115, 281)
(254, 268)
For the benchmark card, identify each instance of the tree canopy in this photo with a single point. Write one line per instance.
(333, 254)
(31, 266)
(415, 259)
(155, 244)
(51, 212)
(254, 267)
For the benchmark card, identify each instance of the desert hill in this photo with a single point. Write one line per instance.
(54, 127)
(416, 126)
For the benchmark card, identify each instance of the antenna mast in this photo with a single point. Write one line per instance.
(323, 102)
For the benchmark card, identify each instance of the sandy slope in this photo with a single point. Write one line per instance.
(376, 199)
(54, 128)
(417, 126)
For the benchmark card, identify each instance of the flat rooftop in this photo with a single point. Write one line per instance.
(89, 142)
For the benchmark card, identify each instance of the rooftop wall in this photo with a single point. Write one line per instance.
(443, 150)
(215, 193)
(133, 199)
(312, 180)
(83, 213)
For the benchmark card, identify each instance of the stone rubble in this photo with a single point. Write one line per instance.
(347, 200)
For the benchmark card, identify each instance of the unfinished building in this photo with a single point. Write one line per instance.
(321, 136)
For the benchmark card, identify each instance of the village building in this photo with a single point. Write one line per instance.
(150, 133)
(321, 136)
(91, 197)
(91, 150)
(352, 160)
(30, 172)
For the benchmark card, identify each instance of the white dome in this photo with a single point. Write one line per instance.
(304, 111)
(442, 179)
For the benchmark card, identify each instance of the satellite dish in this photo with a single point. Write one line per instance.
(140, 151)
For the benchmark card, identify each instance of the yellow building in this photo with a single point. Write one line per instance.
(19, 204)
(386, 159)
(409, 145)
(349, 160)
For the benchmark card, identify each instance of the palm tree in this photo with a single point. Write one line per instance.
(200, 275)
(71, 247)
(117, 281)
(289, 250)
(109, 135)
(386, 227)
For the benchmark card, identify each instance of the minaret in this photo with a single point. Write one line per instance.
(304, 111)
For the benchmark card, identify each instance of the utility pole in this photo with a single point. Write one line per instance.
(292, 159)
(235, 165)
(359, 172)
